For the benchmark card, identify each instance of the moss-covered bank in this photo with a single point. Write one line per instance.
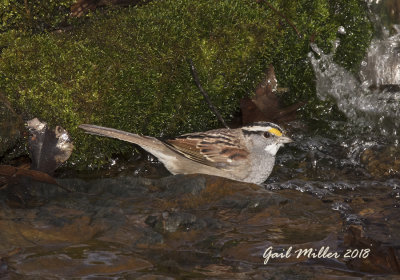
(34, 15)
(127, 68)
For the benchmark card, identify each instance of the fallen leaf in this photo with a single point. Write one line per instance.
(264, 106)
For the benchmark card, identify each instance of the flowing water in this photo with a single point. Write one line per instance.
(371, 99)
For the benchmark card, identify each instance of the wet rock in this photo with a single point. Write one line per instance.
(149, 238)
(382, 161)
(176, 220)
(371, 227)
(179, 184)
(380, 257)
(93, 263)
(154, 277)
(212, 227)
(4, 267)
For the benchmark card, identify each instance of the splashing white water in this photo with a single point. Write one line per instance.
(374, 99)
(381, 65)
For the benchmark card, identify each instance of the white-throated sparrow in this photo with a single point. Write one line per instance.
(244, 154)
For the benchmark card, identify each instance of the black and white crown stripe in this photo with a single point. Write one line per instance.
(261, 127)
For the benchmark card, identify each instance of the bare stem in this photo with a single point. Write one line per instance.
(205, 94)
(283, 16)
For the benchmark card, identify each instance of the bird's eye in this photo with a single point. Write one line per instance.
(267, 134)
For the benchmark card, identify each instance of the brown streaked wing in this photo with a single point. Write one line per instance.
(221, 150)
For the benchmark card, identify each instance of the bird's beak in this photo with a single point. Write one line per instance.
(285, 139)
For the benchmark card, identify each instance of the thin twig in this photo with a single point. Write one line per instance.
(283, 16)
(205, 94)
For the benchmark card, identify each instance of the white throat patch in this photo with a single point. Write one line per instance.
(272, 148)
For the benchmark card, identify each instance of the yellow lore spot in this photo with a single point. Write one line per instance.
(275, 132)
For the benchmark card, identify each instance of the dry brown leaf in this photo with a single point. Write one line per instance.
(264, 106)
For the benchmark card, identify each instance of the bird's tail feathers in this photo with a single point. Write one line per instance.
(143, 141)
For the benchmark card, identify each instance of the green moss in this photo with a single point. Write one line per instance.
(33, 16)
(318, 22)
(128, 68)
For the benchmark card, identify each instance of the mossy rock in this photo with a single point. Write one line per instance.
(10, 126)
(127, 68)
(34, 15)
